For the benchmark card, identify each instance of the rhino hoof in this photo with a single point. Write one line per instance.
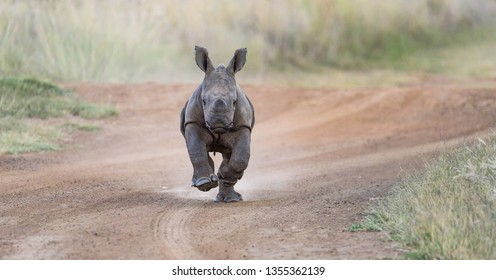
(229, 197)
(205, 184)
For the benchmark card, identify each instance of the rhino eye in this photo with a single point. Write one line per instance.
(234, 103)
(204, 103)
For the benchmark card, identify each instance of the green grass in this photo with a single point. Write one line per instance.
(32, 98)
(446, 212)
(71, 127)
(18, 137)
(24, 99)
(371, 223)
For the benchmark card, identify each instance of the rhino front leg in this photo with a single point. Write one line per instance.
(203, 171)
(233, 167)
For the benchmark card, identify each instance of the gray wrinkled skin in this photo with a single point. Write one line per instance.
(218, 117)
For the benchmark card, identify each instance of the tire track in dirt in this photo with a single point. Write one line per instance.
(171, 228)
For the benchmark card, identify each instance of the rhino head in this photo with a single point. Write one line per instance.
(219, 90)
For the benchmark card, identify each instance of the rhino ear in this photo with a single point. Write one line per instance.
(238, 61)
(202, 60)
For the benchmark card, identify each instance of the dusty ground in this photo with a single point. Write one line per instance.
(318, 158)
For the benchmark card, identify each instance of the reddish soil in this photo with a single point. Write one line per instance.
(319, 157)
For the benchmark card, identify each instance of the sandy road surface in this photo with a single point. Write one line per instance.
(318, 158)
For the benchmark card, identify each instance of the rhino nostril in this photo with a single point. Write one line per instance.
(220, 104)
(223, 126)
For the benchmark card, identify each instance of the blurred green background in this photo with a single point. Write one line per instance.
(295, 42)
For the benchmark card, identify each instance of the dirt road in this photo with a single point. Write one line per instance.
(318, 158)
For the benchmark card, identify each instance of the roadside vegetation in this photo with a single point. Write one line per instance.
(447, 211)
(303, 42)
(25, 101)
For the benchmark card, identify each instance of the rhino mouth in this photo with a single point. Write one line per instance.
(219, 128)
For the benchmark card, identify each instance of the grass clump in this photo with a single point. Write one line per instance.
(18, 137)
(23, 99)
(71, 127)
(449, 210)
(32, 98)
(371, 223)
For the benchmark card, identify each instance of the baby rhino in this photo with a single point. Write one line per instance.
(218, 117)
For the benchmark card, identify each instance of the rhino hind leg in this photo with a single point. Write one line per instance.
(227, 193)
(226, 183)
